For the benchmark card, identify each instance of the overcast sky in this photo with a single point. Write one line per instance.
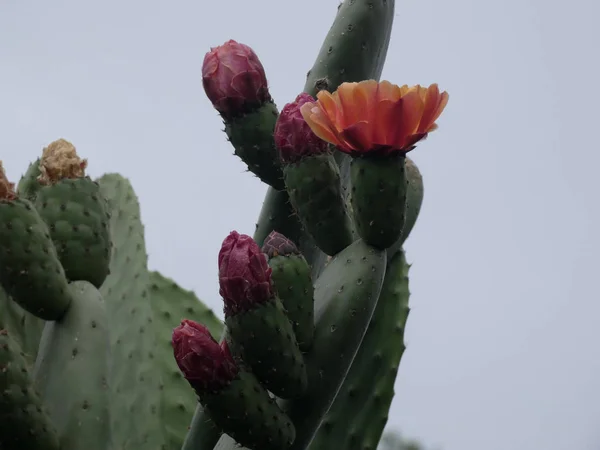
(503, 336)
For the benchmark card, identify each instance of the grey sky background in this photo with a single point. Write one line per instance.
(503, 337)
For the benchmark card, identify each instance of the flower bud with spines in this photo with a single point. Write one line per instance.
(256, 318)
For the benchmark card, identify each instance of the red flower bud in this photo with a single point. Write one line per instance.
(234, 79)
(277, 244)
(205, 364)
(293, 136)
(244, 275)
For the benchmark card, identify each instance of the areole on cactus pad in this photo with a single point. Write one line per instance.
(129, 360)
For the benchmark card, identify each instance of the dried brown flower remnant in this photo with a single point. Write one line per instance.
(60, 161)
(7, 189)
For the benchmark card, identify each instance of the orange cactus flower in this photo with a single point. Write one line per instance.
(375, 117)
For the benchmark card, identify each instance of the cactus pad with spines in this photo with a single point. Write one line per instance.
(358, 415)
(24, 422)
(248, 414)
(135, 384)
(346, 295)
(76, 214)
(379, 192)
(30, 271)
(294, 286)
(268, 345)
(315, 192)
(252, 138)
(171, 304)
(29, 184)
(72, 371)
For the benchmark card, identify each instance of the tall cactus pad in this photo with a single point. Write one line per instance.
(171, 304)
(359, 414)
(135, 384)
(24, 423)
(30, 271)
(72, 371)
(355, 47)
(346, 295)
(76, 214)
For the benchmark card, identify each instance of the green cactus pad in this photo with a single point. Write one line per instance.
(30, 271)
(135, 382)
(28, 184)
(277, 214)
(76, 214)
(294, 286)
(203, 432)
(171, 304)
(268, 345)
(246, 412)
(359, 413)
(414, 200)
(252, 137)
(25, 328)
(316, 194)
(72, 371)
(24, 423)
(379, 192)
(346, 295)
(355, 47)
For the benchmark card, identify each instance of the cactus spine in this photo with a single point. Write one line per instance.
(310, 301)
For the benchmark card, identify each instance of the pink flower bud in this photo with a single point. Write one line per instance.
(244, 275)
(293, 137)
(234, 79)
(204, 363)
(277, 244)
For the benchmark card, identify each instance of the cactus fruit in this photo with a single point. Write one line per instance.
(24, 422)
(72, 371)
(293, 284)
(310, 302)
(312, 179)
(233, 397)
(75, 211)
(256, 319)
(235, 82)
(30, 271)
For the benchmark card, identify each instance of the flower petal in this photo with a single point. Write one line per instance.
(388, 91)
(348, 109)
(408, 120)
(357, 137)
(330, 107)
(385, 122)
(319, 123)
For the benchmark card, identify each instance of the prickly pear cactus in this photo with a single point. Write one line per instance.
(98, 352)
